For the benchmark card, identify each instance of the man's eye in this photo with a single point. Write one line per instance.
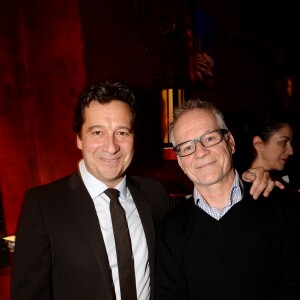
(123, 133)
(210, 138)
(96, 133)
(187, 148)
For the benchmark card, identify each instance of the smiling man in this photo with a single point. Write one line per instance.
(220, 244)
(69, 245)
(66, 245)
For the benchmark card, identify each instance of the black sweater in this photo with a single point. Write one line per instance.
(253, 252)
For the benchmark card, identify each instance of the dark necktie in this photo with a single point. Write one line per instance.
(123, 247)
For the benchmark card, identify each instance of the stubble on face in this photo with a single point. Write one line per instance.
(207, 166)
(107, 141)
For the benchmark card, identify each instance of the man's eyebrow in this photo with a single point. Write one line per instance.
(121, 127)
(95, 126)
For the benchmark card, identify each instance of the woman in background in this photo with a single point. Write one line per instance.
(272, 142)
(270, 139)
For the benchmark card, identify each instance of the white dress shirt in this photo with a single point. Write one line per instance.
(138, 240)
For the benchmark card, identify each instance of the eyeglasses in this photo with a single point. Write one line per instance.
(207, 140)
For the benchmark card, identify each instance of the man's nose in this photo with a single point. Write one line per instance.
(111, 144)
(200, 149)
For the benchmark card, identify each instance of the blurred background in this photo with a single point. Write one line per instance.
(242, 55)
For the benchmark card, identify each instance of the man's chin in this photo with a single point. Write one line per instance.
(207, 182)
(210, 180)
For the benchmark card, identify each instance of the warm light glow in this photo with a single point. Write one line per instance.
(171, 98)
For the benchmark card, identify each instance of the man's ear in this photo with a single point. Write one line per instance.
(231, 142)
(258, 144)
(79, 142)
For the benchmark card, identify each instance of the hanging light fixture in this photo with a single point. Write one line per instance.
(171, 98)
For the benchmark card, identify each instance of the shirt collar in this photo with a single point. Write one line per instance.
(95, 187)
(236, 194)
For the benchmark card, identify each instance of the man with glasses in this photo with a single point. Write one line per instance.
(220, 244)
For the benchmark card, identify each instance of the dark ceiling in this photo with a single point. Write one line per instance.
(273, 24)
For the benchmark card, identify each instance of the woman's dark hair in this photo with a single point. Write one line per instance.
(265, 126)
(103, 92)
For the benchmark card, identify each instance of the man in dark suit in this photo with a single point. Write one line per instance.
(65, 244)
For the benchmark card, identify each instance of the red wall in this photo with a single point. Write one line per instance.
(50, 49)
(41, 73)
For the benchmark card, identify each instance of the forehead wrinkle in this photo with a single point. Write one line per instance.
(191, 124)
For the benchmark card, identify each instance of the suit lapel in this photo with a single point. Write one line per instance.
(140, 198)
(83, 206)
(84, 209)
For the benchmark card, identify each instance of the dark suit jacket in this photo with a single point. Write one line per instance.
(60, 252)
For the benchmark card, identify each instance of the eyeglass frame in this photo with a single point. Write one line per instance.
(221, 131)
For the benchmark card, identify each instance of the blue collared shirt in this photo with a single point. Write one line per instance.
(236, 195)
